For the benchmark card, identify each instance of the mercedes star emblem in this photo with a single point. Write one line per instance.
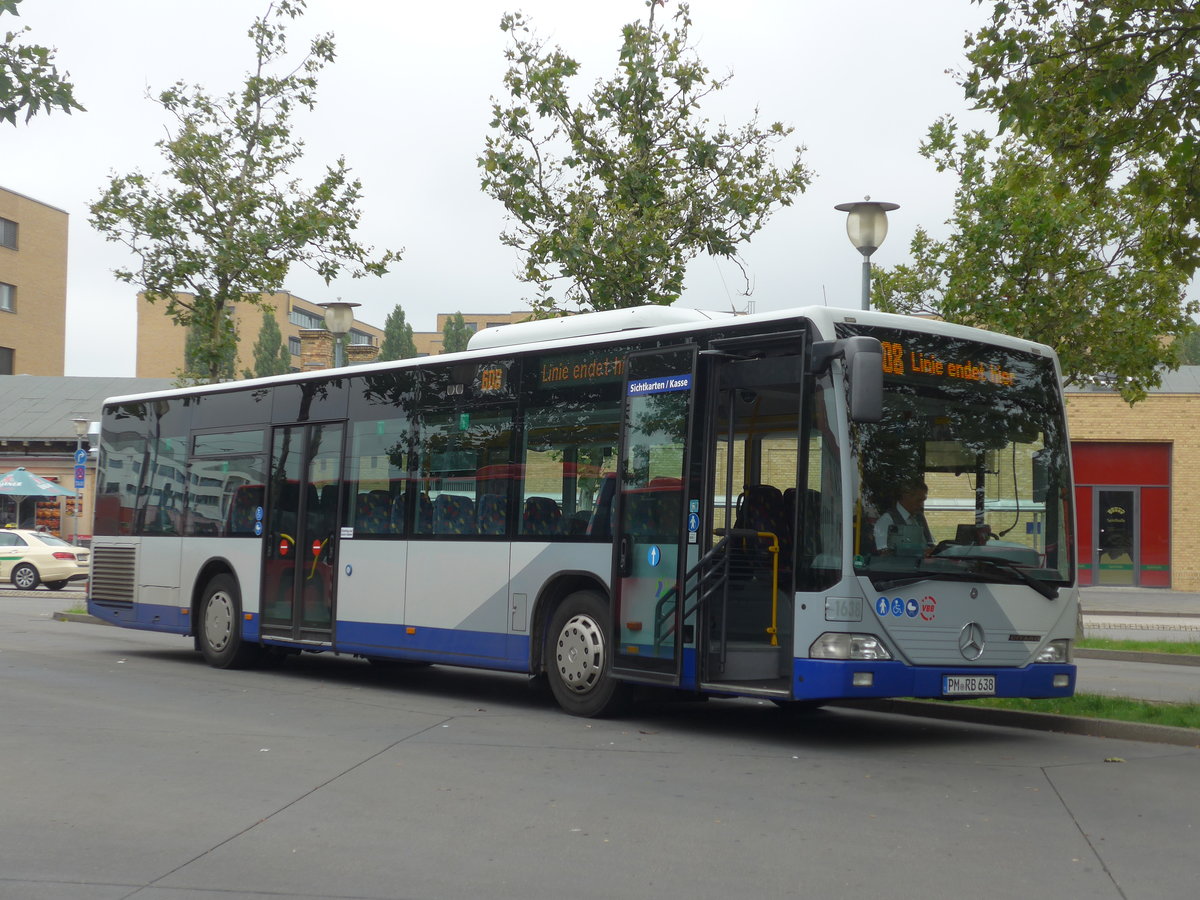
(971, 641)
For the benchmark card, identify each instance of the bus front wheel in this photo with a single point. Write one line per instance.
(578, 655)
(220, 620)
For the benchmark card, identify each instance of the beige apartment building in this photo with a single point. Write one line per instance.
(160, 342)
(33, 286)
(429, 343)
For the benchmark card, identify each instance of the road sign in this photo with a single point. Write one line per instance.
(81, 457)
(80, 473)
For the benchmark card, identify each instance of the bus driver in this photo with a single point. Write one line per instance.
(903, 529)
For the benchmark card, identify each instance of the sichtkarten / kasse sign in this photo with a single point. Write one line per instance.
(660, 385)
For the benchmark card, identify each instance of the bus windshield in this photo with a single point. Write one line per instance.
(966, 475)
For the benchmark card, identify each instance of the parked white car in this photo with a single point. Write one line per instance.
(30, 558)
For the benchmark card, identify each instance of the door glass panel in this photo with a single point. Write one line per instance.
(1115, 543)
(301, 531)
(651, 518)
(323, 476)
(283, 524)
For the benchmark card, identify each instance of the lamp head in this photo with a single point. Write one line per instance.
(339, 316)
(866, 223)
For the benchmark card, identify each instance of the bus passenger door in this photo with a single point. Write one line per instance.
(650, 541)
(300, 534)
(758, 490)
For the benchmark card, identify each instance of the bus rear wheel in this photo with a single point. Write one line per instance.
(578, 656)
(220, 622)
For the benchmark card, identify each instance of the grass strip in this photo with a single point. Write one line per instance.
(1096, 706)
(1183, 648)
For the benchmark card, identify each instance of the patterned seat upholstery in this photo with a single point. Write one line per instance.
(424, 524)
(541, 516)
(397, 515)
(493, 514)
(372, 513)
(453, 514)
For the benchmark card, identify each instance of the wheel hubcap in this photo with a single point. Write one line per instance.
(25, 578)
(580, 654)
(218, 620)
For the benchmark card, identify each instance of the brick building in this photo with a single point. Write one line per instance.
(33, 286)
(429, 343)
(160, 342)
(1137, 484)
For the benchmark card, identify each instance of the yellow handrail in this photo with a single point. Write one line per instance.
(773, 549)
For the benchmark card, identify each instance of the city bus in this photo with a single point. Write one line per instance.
(650, 497)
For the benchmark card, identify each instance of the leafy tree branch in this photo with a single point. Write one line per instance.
(609, 199)
(29, 78)
(230, 220)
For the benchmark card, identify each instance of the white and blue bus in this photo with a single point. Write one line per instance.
(653, 496)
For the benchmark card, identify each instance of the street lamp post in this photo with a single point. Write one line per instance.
(339, 316)
(81, 428)
(866, 225)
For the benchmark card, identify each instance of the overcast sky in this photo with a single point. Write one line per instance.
(408, 102)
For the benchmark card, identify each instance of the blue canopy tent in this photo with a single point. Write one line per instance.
(21, 483)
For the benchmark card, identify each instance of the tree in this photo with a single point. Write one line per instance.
(233, 220)
(29, 79)
(198, 347)
(1108, 89)
(271, 355)
(1189, 348)
(397, 337)
(1030, 254)
(455, 334)
(608, 200)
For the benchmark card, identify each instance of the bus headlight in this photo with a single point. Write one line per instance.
(1055, 652)
(835, 645)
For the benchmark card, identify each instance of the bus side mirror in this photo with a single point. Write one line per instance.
(864, 377)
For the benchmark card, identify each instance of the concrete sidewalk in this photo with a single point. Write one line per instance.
(1124, 601)
(1142, 614)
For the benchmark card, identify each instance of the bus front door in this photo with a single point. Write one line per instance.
(300, 533)
(650, 544)
(746, 613)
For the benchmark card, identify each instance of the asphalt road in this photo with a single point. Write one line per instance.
(131, 769)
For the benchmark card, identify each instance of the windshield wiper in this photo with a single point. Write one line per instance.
(1049, 591)
(900, 579)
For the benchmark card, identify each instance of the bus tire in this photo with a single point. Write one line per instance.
(220, 620)
(578, 656)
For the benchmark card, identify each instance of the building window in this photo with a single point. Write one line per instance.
(305, 319)
(294, 346)
(8, 297)
(8, 233)
(361, 338)
(6, 361)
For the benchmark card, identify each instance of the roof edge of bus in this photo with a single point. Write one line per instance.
(540, 331)
(650, 319)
